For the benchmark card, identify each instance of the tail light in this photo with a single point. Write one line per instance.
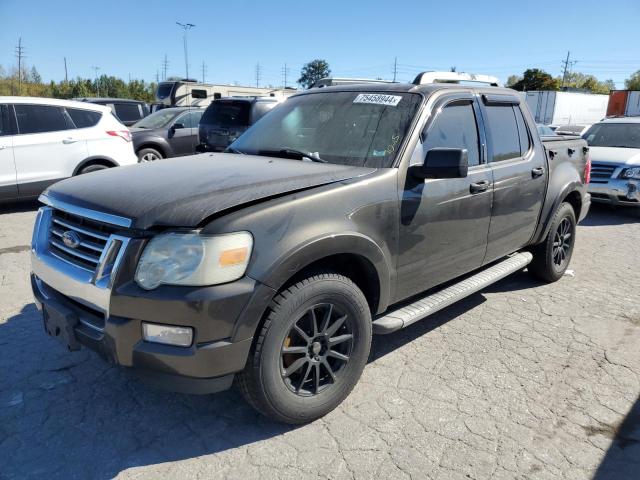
(587, 171)
(124, 134)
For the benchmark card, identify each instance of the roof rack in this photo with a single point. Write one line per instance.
(331, 81)
(455, 77)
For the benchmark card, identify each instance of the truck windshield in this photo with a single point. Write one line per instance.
(621, 135)
(164, 90)
(349, 128)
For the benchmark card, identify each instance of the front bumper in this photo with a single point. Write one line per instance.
(616, 191)
(108, 311)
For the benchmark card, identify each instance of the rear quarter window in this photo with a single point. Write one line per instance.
(128, 112)
(5, 127)
(84, 118)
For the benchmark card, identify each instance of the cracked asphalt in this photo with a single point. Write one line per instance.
(523, 380)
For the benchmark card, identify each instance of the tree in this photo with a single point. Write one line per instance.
(633, 82)
(582, 81)
(512, 80)
(536, 79)
(35, 76)
(313, 71)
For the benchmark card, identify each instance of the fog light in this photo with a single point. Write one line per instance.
(166, 334)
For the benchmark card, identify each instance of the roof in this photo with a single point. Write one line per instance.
(107, 99)
(54, 101)
(426, 89)
(620, 120)
(247, 99)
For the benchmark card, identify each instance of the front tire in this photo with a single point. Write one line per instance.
(311, 350)
(148, 155)
(551, 257)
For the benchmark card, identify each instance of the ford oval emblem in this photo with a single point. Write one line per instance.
(71, 239)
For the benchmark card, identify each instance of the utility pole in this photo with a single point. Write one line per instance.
(95, 74)
(395, 68)
(566, 68)
(165, 65)
(157, 76)
(66, 76)
(258, 74)
(204, 72)
(186, 27)
(20, 55)
(285, 72)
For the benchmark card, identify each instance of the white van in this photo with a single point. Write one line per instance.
(43, 140)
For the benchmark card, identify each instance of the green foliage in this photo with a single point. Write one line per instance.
(104, 86)
(590, 83)
(313, 71)
(536, 79)
(633, 82)
(512, 80)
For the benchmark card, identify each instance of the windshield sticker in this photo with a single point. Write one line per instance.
(378, 99)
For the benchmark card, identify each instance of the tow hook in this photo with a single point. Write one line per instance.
(632, 192)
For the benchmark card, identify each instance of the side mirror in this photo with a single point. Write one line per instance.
(177, 126)
(443, 163)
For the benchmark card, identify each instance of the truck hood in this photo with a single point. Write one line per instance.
(615, 156)
(183, 192)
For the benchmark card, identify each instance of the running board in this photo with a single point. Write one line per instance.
(413, 312)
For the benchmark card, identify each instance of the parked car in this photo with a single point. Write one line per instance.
(128, 111)
(226, 119)
(169, 132)
(346, 211)
(43, 140)
(571, 129)
(614, 145)
(545, 130)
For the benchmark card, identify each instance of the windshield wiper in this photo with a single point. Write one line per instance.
(234, 150)
(292, 152)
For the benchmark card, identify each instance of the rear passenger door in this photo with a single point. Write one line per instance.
(444, 222)
(46, 147)
(8, 187)
(519, 176)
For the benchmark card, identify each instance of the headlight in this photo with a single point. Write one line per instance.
(193, 259)
(631, 173)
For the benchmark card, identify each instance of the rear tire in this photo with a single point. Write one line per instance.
(551, 257)
(148, 155)
(92, 168)
(297, 373)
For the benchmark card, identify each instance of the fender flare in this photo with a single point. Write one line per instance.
(545, 223)
(291, 262)
(94, 159)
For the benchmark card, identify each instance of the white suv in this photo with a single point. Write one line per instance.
(43, 140)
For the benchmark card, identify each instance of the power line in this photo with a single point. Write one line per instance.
(20, 55)
(285, 72)
(204, 72)
(567, 64)
(395, 68)
(258, 74)
(165, 66)
(66, 76)
(95, 74)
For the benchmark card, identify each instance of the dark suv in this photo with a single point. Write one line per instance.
(226, 119)
(126, 110)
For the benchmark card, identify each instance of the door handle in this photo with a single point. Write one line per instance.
(478, 187)
(69, 140)
(537, 172)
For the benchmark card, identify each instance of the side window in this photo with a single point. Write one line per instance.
(84, 118)
(523, 132)
(198, 93)
(190, 120)
(40, 118)
(455, 127)
(5, 126)
(128, 112)
(503, 129)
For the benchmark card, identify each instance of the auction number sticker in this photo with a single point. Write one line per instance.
(378, 99)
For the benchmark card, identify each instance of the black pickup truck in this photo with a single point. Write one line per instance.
(346, 211)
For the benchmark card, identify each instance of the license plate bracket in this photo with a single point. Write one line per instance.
(60, 322)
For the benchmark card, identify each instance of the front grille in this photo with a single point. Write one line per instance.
(601, 172)
(92, 239)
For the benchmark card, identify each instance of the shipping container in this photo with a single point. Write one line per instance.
(624, 103)
(562, 108)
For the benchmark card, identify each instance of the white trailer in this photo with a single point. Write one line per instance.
(184, 93)
(562, 108)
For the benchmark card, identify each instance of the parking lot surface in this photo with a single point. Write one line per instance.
(523, 380)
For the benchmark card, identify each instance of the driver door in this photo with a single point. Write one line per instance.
(444, 223)
(183, 140)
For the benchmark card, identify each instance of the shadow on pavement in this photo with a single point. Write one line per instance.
(72, 415)
(600, 215)
(18, 207)
(622, 460)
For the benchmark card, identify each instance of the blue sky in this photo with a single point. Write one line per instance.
(358, 38)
